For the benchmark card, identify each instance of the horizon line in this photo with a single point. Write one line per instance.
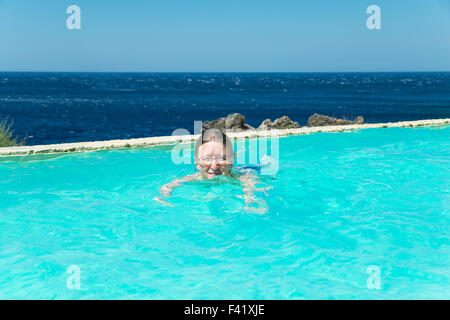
(40, 71)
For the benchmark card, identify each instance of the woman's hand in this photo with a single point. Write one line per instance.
(164, 202)
(166, 190)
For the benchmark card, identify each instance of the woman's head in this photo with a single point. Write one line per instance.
(213, 153)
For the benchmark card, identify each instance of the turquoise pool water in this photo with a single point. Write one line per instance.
(340, 202)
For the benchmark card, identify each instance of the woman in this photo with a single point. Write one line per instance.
(213, 157)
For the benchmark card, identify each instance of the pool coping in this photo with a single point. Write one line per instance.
(171, 140)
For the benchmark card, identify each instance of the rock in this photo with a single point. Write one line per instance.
(285, 123)
(359, 120)
(281, 123)
(216, 124)
(234, 122)
(266, 125)
(319, 120)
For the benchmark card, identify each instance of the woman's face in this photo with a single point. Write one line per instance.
(212, 160)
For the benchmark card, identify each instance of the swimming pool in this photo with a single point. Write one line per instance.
(341, 205)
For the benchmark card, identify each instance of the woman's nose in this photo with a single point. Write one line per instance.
(214, 163)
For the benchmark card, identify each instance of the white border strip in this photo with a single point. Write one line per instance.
(170, 140)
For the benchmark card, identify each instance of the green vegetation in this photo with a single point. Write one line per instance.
(7, 138)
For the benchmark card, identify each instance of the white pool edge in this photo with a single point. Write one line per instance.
(171, 140)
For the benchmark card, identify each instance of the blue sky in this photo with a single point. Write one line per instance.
(219, 35)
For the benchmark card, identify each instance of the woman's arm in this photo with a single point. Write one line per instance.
(166, 190)
(248, 182)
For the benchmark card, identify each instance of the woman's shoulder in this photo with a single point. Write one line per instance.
(195, 176)
(234, 174)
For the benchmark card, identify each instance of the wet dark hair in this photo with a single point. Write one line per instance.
(215, 135)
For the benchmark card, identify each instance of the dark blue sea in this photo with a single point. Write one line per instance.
(73, 107)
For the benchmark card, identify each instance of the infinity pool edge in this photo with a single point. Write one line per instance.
(171, 140)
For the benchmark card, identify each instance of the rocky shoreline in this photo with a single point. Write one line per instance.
(235, 122)
(171, 140)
